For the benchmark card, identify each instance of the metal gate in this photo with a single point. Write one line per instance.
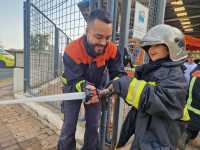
(49, 25)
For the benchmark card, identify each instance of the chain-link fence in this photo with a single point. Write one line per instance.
(65, 14)
(49, 26)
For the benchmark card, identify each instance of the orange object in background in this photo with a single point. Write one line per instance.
(192, 43)
(140, 58)
(133, 44)
(196, 74)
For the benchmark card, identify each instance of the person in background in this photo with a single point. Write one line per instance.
(190, 66)
(197, 61)
(193, 104)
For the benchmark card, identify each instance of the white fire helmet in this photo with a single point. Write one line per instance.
(172, 37)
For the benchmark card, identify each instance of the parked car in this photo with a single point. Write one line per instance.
(6, 59)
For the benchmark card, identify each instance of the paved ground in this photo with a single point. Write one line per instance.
(19, 129)
(6, 88)
(6, 73)
(6, 82)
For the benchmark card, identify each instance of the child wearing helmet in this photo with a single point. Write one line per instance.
(158, 91)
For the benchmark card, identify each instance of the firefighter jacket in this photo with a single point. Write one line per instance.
(159, 95)
(81, 64)
(193, 101)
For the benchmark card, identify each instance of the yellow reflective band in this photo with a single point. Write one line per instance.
(135, 66)
(194, 110)
(134, 92)
(116, 78)
(130, 95)
(138, 93)
(152, 83)
(64, 80)
(186, 116)
(78, 85)
(189, 101)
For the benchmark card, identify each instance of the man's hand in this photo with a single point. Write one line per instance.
(91, 93)
(92, 100)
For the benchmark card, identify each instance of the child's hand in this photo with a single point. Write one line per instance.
(120, 86)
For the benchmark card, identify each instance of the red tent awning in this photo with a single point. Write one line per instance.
(192, 43)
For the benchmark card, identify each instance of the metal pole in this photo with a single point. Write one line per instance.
(105, 103)
(56, 52)
(124, 32)
(124, 26)
(26, 45)
(114, 17)
(99, 4)
(103, 124)
(52, 98)
(92, 5)
(156, 12)
(161, 11)
(116, 117)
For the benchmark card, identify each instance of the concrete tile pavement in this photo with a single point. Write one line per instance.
(20, 130)
(6, 87)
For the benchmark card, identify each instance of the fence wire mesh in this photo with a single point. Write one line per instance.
(65, 14)
(53, 24)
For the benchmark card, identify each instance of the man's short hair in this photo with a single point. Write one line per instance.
(101, 15)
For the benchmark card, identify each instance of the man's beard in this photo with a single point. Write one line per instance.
(92, 46)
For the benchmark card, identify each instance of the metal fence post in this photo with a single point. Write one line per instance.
(93, 5)
(124, 32)
(99, 4)
(26, 45)
(124, 26)
(56, 52)
(156, 12)
(114, 17)
(161, 11)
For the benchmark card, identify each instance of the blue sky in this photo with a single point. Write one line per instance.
(11, 23)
